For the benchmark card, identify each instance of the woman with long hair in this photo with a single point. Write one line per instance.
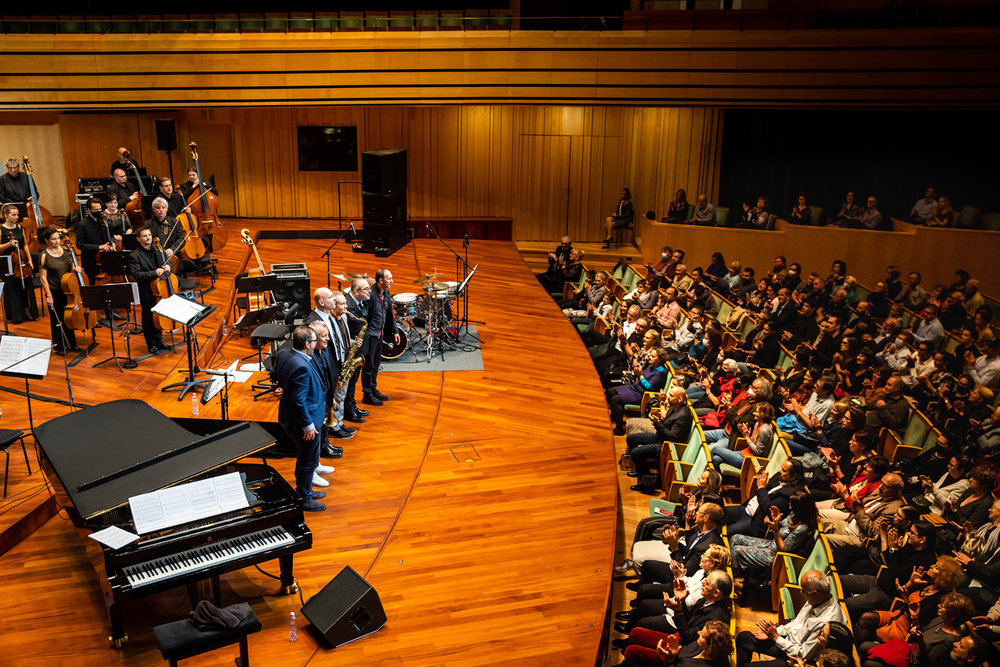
(795, 532)
(19, 301)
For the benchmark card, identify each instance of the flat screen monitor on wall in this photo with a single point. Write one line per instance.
(328, 148)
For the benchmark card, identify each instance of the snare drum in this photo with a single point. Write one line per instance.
(404, 305)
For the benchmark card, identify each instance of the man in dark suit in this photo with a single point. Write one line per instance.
(301, 410)
(146, 265)
(805, 328)
(321, 359)
(381, 325)
(92, 238)
(122, 188)
(357, 305)
(334, 355)
(785, 314)
(748, 518)
(827, 343)
(716, 605)
(675, 426)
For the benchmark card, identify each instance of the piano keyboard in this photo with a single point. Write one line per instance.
(203, 557)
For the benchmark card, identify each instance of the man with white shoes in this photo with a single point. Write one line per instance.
(327, 363)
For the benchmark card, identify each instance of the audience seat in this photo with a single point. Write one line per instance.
(787, 568)
(721, 216)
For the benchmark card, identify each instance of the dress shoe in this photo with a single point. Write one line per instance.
(624, 616)
(371, 400)
(76, 348)
(632, 585)
(59, 352)
(341, 434)
(311, 505)
(329, 452)
(359, 412)
(354, 418)
(379, 395)
(324, 470)
(643, 489)
(622, 628)
(632, 473)
(348, 429)
(319, 481)
(316, 495)
(621, 644)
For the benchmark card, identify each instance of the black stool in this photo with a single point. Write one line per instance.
(7, 438)
(181, 639)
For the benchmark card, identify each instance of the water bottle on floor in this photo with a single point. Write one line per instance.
(293, 628)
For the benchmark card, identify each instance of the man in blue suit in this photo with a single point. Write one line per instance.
(302, 409)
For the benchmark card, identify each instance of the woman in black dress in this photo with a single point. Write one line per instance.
(54, 263)
(19, 293)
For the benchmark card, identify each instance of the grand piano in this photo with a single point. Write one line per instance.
(97, 458)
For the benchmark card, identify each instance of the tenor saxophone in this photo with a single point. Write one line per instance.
(353, 359)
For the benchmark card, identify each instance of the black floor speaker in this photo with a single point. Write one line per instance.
(384, 218)
(166, 135)
(383, 172)
(294, 288)
(347, 608)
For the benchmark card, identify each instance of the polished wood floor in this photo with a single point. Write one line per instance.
(481, 505)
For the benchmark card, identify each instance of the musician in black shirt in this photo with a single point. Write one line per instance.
(175, 203)
(193, 184)
(122, 188)
(166, 228)
(14, 188)
(122, 162)
(93, 236)
(147, 265)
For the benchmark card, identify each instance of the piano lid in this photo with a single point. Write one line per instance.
(105, 454)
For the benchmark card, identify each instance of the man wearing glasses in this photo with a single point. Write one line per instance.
(301, 410)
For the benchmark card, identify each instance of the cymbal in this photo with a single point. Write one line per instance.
(339, 276)
(355, 276)
(436, 287)
(427, 277)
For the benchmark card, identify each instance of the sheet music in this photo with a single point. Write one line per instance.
(188, 502)
(16, 350)
(179, 309)
(114, 537)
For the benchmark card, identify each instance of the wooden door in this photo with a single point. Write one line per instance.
(215, 157)
(543, 188)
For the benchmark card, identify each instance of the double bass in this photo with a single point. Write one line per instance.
(38, 216)
(255, 301)
(133, 209)
(166, 286)
(205, 206)
(75, 315)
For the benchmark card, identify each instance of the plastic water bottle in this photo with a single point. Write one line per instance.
(194, 404)
(293, 628)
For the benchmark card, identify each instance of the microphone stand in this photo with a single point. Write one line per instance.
(327, 255)
(462, 264)
(65, 345)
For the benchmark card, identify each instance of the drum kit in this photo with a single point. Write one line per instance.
(425, 317)
(428, 317)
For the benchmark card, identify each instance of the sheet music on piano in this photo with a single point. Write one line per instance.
(185, 503)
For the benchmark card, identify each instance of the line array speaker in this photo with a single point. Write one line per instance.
(383, 172)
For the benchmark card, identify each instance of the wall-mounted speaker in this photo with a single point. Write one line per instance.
(166, 135)
(347, 608)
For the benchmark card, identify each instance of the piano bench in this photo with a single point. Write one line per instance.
(181, 639)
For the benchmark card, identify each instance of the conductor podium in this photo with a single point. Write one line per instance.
(383, 200)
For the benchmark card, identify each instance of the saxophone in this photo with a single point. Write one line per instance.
(353, 360)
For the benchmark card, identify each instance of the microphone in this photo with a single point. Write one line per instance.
(222, 374)
(352, 227)
(427, 229)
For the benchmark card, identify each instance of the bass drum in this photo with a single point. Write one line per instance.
(391, 351)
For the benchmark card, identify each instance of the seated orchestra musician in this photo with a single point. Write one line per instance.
(123, 188)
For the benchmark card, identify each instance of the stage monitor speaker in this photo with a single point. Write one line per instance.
(166, 135)
(347, 608)
(294, 288)
(383, 172)
(384, 218)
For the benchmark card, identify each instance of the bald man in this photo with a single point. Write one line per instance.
(121, 162)
(863, 521)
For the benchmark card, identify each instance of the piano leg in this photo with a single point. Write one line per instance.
(288, 583)
(118, 638)
(217, 591)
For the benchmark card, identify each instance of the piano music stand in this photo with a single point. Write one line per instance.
(191, 317)
(111, 297)
(256, 285)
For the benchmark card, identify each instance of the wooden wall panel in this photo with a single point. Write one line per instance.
(43, 146)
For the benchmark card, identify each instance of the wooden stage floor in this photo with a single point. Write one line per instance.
(481, 505)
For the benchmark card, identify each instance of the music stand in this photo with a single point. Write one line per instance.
(254, 318)
(186, 312)
(130, 242)
(256, 285)
(27, 358)
(111, 297)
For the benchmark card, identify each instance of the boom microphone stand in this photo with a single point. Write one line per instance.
(463, 264)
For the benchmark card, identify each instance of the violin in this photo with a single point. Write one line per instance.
(21, 259)
(133, 208)
(205, 206)
(75, 315)
(166, 286)
(38, 216)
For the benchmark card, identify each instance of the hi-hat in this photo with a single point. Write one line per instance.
(437, 287)
(427, 277)
(339, 276)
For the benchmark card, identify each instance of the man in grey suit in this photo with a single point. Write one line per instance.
(357, 305)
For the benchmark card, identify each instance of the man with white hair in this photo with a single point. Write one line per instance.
(14, 187)
(799, 636)
(357, 305)
(166, 228)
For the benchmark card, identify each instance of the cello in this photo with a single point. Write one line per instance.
(133, 208)
(166, 287)
(205, 206)
(38, 216)
(75, 315)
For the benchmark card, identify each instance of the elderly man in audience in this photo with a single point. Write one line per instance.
(891, 411)
(674, 426)
(886, 334)
(592, 292)
(912, 295)
(666, 316)
(955, 314)
(798, 637)
(925, 208)
(685, 335)
(985, 369)
(600, 345)
(704, 213)
(896, 354)
(862, 523)
(973, 297)
(930, 328)
(681, 281)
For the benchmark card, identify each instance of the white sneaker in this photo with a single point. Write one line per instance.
(324, 470)
(624, 567)
(319, 481)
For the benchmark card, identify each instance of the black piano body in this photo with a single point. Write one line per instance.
(97, 458)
